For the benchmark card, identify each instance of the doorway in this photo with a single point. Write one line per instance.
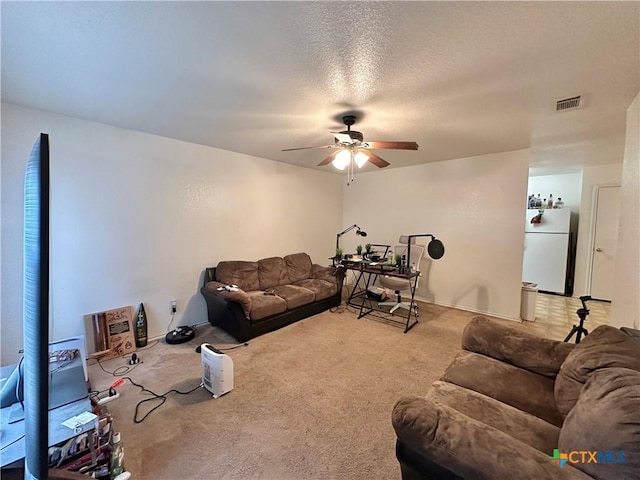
(604, 241)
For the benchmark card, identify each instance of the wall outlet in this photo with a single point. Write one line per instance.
(173, 305)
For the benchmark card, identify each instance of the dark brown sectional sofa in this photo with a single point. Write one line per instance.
(272, 292)
(513, 405)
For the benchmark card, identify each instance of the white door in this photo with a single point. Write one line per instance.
(605, 239)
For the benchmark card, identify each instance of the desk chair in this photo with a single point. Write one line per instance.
(402, 284)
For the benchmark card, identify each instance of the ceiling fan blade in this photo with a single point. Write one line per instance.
(375, 159)
(329, 159)
(343, 137)
(391, 145)
(306, 148)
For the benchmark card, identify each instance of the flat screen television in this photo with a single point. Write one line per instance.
(33, 374)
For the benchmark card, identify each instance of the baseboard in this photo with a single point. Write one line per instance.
(479, 312)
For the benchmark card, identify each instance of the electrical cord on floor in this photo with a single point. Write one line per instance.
(122, 369)
(162, 398)
(344, 306)
(245, 344)
(173, 315)
(224, 349)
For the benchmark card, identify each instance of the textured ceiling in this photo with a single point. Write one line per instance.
(460, 78)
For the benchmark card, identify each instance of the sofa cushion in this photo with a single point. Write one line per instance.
(272, 271)
(298, 266)
(606, 419)
(263, 306)
(520, 388)
(520, 425)
(522, 349)
(321, 288)
(294, 295)
(605, 347)
(330, 274)
(469, 448)
(238, 272)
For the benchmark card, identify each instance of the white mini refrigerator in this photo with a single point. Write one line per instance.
(546, 249)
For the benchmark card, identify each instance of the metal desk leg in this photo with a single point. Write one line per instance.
(412, 306)
(354, 293)
(364, 297)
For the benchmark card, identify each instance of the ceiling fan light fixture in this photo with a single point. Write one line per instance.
(342, 159)
(360, 159)
(351, 149)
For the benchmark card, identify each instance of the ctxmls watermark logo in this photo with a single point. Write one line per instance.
(587, 456)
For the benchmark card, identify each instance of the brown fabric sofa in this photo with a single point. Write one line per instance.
(273, 292)
(509, 399)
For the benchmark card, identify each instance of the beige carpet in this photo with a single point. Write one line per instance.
(311, 401)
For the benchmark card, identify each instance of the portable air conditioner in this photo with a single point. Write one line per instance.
(217, 370)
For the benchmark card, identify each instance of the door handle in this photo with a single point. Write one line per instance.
(598, 249)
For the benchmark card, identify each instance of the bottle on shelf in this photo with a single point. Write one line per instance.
(550, 201)
(538, 202)
(559, 203)
(544, 203)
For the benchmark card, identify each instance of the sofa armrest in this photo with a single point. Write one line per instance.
(521, 349)
(468, 447)
(241, 297)
(330, 274)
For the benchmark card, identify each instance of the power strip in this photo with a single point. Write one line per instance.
(104, 400)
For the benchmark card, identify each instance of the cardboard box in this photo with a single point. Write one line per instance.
(113, 332)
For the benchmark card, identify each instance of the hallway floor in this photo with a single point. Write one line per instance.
(555, 315)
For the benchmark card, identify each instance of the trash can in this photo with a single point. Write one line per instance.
(528, 302)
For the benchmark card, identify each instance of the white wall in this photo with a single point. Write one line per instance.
(474, 205)
(625, 307)
(137, 218)
(591, 177)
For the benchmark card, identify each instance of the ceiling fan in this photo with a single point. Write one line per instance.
(351, 148)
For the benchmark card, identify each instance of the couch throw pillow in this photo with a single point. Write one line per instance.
(298, 266)
(272, 272)
(605, 420)
(605, 347)
(238, 272)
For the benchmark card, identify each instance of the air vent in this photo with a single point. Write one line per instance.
(567, 104)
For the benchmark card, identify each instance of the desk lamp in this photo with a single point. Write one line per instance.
(358, 232)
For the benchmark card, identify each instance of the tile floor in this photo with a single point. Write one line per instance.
(555, 315)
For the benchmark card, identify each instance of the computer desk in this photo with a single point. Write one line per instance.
(366, 275)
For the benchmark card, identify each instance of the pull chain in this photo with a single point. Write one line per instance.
(350, 167)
